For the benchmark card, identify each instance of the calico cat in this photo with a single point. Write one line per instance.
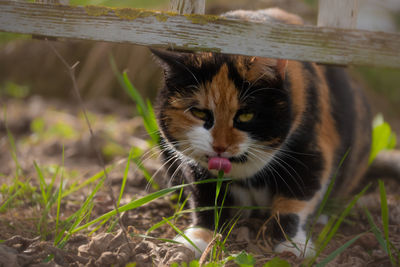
(277, 128)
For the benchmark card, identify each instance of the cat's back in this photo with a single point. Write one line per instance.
(352, 117)
(344, 113)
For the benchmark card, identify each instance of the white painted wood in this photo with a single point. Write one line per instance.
(188, 6)
(203, 33)
(338, 13)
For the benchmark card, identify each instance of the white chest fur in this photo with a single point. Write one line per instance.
(250, 197)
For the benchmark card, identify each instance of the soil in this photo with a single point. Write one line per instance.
(32, 123)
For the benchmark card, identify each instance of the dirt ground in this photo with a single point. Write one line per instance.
(33, 123)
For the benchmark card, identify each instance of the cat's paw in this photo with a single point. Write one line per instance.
(200, 237)
(297, 247)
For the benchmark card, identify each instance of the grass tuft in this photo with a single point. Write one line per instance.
(333, 225)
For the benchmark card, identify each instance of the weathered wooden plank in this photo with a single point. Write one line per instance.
(338, 13)
(202, 33)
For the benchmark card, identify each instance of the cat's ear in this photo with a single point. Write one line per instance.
(281, 66)
(169, 60)
(268, 67)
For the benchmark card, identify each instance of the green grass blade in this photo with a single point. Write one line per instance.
(125, 177)
(59, 196)
(42, 183)
(326, 230)
(375, 230)
(181, 207)
(217, 191)
(324, 201)
(324, 242)
(144, 200)
(200, 209)
(49, 188)
(92, 179)
(144, 109)
(232, 224)
(9, 200)
(331, 185)
(134, 94)
(335, 253)
(156, 238)
(159, 224)
(131, 205)
(183, 235)
(147, 114)
(152, 120)
(385, 219)
(81, 214)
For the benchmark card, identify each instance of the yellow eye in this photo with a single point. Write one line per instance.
(245, 117)
(200, 114)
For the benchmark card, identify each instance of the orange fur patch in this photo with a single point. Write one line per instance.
(203, 234)
(328, 136)
(222, 95)
(298, 95)
(285, 205)
(359, 158)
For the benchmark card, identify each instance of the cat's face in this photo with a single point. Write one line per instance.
(233, 107)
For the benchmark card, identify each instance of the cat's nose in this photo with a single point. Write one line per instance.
(220, 149)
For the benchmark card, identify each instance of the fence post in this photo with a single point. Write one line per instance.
(188, 6)
(338, 13)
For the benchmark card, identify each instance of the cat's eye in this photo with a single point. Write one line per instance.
(198, 113)
(245, 117)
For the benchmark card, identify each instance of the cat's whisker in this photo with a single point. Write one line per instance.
(291, 176)
(183, 163)
(175, 157)
(272, 168)
(282, 149)
(280, 162)
(284, 152)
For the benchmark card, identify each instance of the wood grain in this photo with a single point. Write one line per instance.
(202, 33)
(338, 13)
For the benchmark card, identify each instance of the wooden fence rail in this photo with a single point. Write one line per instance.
(202, 33)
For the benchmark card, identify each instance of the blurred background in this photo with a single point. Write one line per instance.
(28, 68)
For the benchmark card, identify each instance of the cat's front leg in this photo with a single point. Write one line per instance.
(201, 233)
(200, 237)
(287, 226)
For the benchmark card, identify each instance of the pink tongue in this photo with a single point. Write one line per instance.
(217, 163)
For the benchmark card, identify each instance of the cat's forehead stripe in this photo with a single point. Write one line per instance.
(223, 91)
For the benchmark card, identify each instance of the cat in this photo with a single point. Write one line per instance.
(278, 128)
